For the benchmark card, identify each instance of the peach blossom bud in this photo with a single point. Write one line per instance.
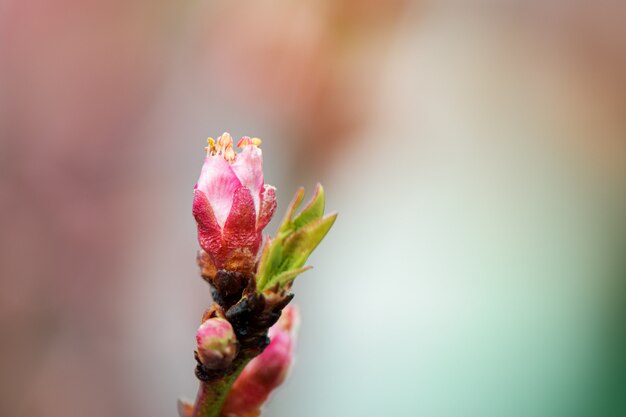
(217, 344)
(231, 203)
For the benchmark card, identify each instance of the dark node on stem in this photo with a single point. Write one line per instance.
(227, 287)
(253, 315)
(204, 374)
(243, 317)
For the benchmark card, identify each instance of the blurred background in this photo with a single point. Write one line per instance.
(476, 154)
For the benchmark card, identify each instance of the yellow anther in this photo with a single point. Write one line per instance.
(210, 149)
(256, 142)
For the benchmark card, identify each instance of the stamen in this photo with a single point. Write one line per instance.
(210, 149)
(247, 141)
(229, 153)
(244, 141)
(226, 140)
(224, 146)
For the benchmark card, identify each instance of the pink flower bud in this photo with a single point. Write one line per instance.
(231, 203)
(217, 344)
(267, 371)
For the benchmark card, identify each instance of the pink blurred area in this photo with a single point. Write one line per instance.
(104, 109)
(101, 103)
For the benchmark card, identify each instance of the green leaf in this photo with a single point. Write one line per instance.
(261, 270)
(283, 258)
(286, 277)
(313, 211)
(270, 262)
(286, 224)
(299, 245)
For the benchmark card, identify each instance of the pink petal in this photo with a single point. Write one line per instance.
(218, 182)
(268, 206)
(209, 231)
(248, 167)
(240, 227)
(262, 375)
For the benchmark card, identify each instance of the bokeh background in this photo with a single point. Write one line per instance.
(476, 153)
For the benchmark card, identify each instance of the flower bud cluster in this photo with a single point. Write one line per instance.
(250, 321)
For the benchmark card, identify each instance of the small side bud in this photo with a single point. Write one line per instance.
(217, 344)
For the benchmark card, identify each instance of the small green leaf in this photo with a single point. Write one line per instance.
(270, 262)
(313, 211)
(299, 245)
(261, 275)
(286, 277)
(286, 225)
